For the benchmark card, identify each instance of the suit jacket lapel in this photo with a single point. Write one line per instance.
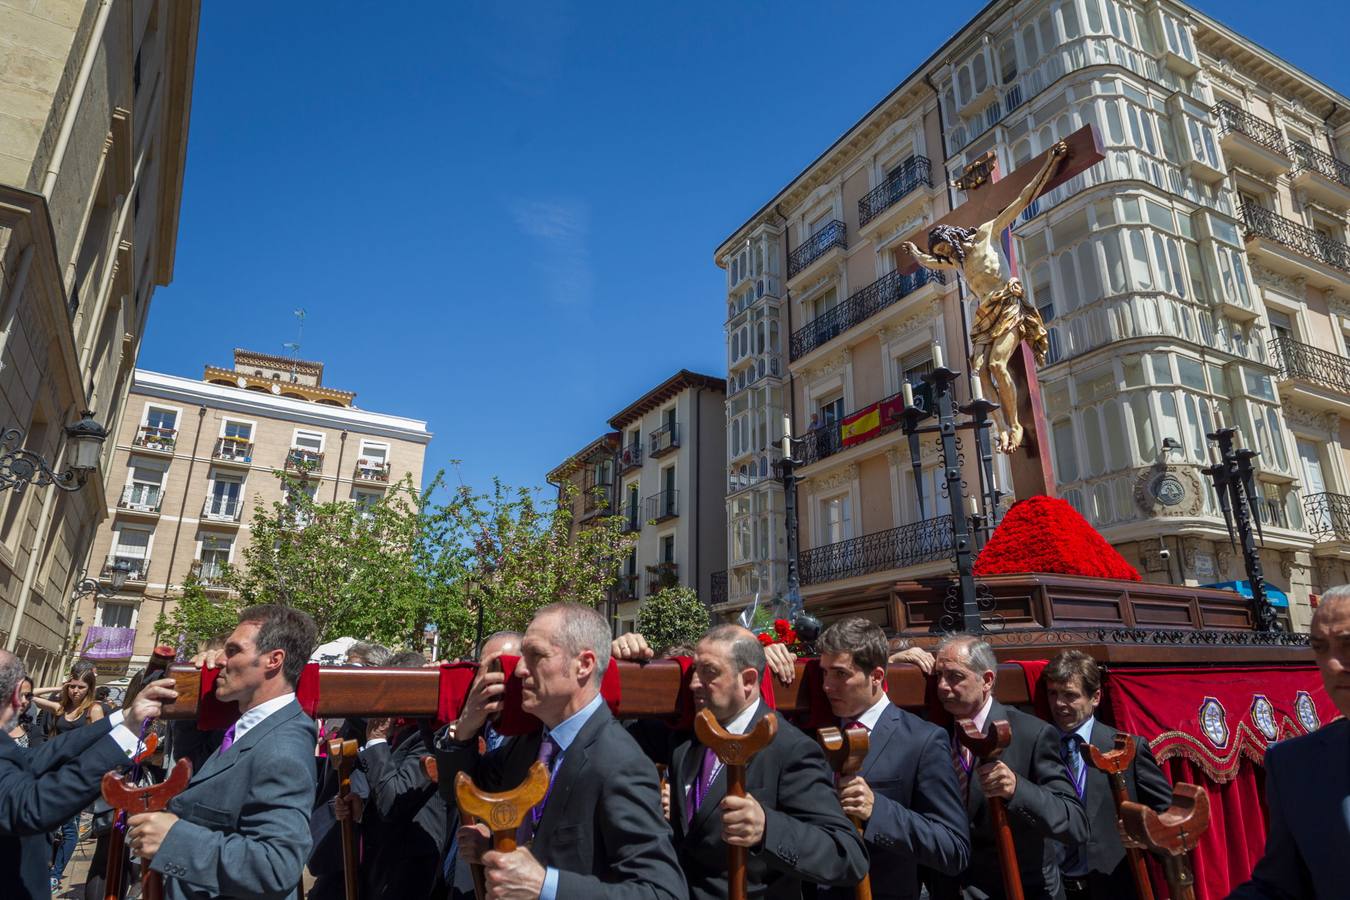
(219, 762)
(887, 726)
(575, 760)
(1103, 738)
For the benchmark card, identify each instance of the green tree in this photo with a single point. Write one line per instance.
(672, 616)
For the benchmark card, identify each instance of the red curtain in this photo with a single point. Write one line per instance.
(1236, 838)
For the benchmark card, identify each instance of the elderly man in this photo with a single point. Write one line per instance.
(42, 787)
(790, 819)
(1097, 869)
(905, 793)
(241, 827)
(1043, 807)
(599, 831)
(1308, 782)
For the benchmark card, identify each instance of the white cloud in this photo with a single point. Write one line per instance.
(559, 231)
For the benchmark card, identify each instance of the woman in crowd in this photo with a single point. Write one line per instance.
(25, 723)
(75, 708)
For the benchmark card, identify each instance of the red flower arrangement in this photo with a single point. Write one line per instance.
(782, 633)
(1044, 534)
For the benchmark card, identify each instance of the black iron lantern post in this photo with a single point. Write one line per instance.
(20, 467)
(1234, 481)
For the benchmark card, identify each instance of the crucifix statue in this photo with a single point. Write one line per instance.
(967, 240)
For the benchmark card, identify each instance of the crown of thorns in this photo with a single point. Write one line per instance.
(953, 236)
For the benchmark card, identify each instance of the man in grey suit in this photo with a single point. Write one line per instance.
(598, 832)
(241, 827)
(1308, 782)
(905, 794)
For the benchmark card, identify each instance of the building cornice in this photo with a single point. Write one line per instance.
(229, 399)
(681, 381)
(179, 69)
(601, 447)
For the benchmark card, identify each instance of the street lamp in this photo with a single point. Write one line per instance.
(20, 467)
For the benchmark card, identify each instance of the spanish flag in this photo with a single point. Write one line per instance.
(861, 426)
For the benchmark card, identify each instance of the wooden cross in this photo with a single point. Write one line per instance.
(735, 751)
(987, 746)
(502, 812)
(1172, 833)
(128, 800)
(1115, 763)
(845, 751)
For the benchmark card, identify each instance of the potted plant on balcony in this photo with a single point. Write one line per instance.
(663, 575)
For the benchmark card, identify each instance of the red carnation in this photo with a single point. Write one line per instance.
(764, 639)
(781, 626)
(1044, 534)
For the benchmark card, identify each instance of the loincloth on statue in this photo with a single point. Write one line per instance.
(1006, 311)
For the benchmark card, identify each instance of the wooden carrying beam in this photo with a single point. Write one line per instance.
(647, 691)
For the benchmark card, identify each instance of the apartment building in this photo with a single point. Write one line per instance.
(1200, 270)
(94, 109)
(191, 461)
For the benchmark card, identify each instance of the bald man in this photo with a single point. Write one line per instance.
(1308, 782)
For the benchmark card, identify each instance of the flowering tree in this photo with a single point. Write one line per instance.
(671, 617)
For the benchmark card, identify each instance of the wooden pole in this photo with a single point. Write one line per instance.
(735, 752)
(1114, 763)
(153, 798)
(502, 812)
(1172, 833)
(987, 747)
(845, 751)
(342, 757)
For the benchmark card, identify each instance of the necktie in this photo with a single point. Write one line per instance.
(229, 738)
(962, 767)
(1073, 761)
(699, 789)
(548, 752)
(857, 723)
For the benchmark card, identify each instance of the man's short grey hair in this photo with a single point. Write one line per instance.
(581, 628)
(11, 673)
(1331, 595)
(744, 648)
(976, 654)
(374, 654)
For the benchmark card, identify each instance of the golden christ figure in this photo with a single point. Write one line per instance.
(1003, 318)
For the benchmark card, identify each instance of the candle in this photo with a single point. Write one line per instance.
(787, 436)
(1218, 416)
(1238, 441)
(937, 355)
(1213, 455)
(972, 506)
(976, 389)
(908, 393)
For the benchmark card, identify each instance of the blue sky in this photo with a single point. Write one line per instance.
(500, 217)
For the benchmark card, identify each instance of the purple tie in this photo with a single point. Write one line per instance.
(229, 738)
(548, 751)
(699, 789)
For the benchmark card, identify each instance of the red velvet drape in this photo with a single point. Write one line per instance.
(1236, 838)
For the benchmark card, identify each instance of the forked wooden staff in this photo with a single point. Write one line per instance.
(342, 757)
(987, 747)
(128, 800)
(1172, 833)
(1114, 763)
(117, 857)
(845, 752)
(502, 812)
(735, 752)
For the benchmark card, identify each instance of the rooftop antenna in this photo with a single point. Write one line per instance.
(294, 346)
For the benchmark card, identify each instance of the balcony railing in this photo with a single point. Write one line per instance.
(662, 575)
(1261, 222)
(209, 572)
(303, 461)
(1329, 167)
(719, 588)
(630, 457)
(665, 505)
(222, 510)
(135, 566)
(632, 517)
(108, 642)
(369, 470)
(1327, 516)
(141, 498)
(890, 191)
(233, 450)
(663, 440)
(895, 548)
(628, 587)
(155, 438)
(832, 234)
(595, 496)
(827, 440)
(1304, 362)
(1231, 118)
(859, 307)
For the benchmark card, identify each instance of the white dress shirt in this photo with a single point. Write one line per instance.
(254, 716)
(870, 716)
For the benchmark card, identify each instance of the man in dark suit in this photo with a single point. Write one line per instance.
(599, 831)
(42, 787)
(790, 819)
(1096, 870)
(1030, 778)
(241, 827)
(1308, 782)
(905, 793)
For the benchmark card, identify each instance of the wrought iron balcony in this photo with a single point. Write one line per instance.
(370, 470)
(1327, 516)
(627, 587)
(1261, 222)
(135, 567)
(156, 438)
(662, 575)
(220, 509)
(827, 440)
(860, 306)
(665, 505)
(145, 498)
(1307, 157)
(890, 191)
(832, 234)
(210, 572)
(663, 440)
(108, 642)
(303, 461)
(630, 457)
(632, 517)
(595, 496)
(894, 548)
(1304, 362)
(718, 594)
(229, 449)
(1232, 119)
